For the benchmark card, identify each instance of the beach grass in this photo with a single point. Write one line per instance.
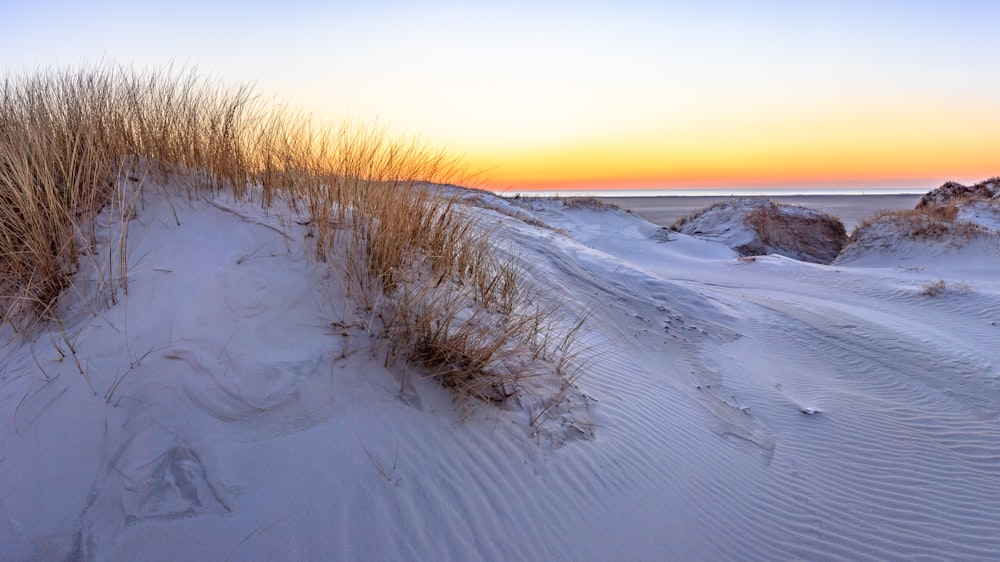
(411, 257)
(929, 222)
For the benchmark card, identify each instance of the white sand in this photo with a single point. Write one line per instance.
(240, 415)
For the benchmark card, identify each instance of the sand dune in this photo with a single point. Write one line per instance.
(728, 409)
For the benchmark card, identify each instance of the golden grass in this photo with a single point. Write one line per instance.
(931, 222)
(939, 287)
(681, 222)
(414, 260)
(817, 237)
(933, 289)
(587, 202)
(792, 230)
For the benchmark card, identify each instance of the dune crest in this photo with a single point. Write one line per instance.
(757, 227)
(952, 191)
(950, 219)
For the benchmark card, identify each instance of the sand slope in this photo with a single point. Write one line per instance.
(761, 227)
(765, 409)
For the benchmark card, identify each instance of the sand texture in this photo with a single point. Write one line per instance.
(729, 409)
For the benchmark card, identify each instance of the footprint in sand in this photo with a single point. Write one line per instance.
(153, 475)
(171, 485)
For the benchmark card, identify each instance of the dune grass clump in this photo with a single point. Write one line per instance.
(987, 190)
(680, 223)
(940, 287)
(794, 231)
(937, 214)
(813, 234)
(57, 150)
(951, 216)
(587, 202)
(931, 222)
(933, 289)
(442, 296)
(414, 259)
(67, 138)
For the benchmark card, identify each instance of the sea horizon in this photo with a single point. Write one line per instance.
(665, 207)
(715, 192)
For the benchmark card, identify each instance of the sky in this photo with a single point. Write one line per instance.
(599, 95)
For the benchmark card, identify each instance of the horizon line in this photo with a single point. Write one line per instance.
(711, 192)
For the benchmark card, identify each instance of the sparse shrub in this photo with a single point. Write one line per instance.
(940, 287)
(592, 203)
(933, 289)
(963, 288)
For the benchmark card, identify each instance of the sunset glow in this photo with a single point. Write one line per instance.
(574, 95)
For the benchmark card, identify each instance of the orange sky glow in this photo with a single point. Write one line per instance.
(577, 95)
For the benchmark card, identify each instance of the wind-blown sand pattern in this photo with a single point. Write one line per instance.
(729, 408)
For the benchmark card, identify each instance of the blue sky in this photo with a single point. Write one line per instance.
(625, 93)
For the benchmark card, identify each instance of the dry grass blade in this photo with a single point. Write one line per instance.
(75, 142)
(931, 222)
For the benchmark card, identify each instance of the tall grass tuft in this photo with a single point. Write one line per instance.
(411, 257)
(58, 149)
(928, 222)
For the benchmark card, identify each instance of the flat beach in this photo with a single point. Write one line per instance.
(851, 209)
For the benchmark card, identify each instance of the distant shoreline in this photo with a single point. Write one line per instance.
(729, 193)
(850, 209)
(664, 207)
